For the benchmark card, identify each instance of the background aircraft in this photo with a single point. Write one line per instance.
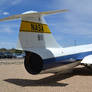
(43, 53)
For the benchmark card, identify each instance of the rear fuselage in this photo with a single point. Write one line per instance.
(56, 59)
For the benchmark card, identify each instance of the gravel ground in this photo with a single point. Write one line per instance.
(14, 78)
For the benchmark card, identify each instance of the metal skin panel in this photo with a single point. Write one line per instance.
(32, 40)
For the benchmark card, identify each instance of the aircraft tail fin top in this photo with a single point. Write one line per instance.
(34, 32)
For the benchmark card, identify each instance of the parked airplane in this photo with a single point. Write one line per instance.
(43, 53)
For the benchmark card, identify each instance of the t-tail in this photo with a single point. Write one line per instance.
(34, 32)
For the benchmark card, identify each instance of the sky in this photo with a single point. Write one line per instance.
(71, 28)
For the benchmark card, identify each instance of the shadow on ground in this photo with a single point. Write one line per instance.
(51, 80)
(48, 81)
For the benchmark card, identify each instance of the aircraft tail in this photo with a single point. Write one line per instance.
(34, 32)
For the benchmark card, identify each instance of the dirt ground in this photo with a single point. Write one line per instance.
(14, 78)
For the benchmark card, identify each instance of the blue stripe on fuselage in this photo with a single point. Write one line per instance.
(78, 56)
(62, 60)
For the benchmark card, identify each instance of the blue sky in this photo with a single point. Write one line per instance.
(75, 25)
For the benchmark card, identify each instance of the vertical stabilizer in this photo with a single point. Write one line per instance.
(35, 33)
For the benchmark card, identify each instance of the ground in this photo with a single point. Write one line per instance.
(14, 78)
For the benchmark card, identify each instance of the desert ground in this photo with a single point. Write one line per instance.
(14, 78)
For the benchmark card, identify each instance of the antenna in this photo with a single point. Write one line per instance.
(75, 43)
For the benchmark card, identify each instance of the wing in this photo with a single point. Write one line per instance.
(87, 60)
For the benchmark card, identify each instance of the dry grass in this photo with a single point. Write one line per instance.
(14, 78)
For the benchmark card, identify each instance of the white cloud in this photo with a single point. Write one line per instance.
(5, 13)
(79, 18)
(8, 45)
(9, 27)
(75, 24)
(9, 34)
(6, 30)
(6, 3)
(14, 2)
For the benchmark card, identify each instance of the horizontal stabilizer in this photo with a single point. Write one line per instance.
(32, 15)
